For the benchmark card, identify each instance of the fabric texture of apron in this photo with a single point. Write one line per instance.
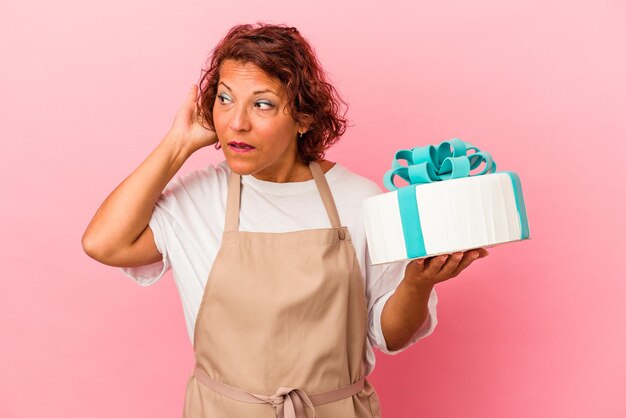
(282, 326)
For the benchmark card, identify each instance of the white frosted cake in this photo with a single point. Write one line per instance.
(440, 217)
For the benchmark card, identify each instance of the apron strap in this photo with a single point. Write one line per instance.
(233, 199)
(232, 202)
(327, 196)
(288, 402)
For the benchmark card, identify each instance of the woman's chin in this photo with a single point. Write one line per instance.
(243, 168)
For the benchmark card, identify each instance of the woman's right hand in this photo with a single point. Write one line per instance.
(187, 127)
(119, 233)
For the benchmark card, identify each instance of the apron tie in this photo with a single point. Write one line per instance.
(287, 402)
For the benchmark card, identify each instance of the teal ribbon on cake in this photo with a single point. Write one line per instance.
(446, 161)
(519, 203)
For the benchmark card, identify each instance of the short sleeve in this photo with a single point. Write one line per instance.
(151, 273)
(178, 222)
(382, 289)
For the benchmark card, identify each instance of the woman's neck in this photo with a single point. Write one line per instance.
(296, 172)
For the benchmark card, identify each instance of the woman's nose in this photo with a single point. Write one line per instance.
(240, 120)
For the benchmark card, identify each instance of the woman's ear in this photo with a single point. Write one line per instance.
(305, 124)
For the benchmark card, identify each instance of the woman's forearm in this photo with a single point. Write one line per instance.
(125, 213)
(404, 313)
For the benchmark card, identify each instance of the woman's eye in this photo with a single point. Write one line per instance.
(220, 97)
(268, 104)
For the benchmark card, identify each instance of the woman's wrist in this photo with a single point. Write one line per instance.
(178, 147)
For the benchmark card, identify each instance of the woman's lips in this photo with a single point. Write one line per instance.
(240, 147)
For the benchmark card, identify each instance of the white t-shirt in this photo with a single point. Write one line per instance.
(188, 221)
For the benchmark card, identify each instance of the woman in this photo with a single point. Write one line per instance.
(267, 247)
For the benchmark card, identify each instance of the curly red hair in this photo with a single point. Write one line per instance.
(283, 53)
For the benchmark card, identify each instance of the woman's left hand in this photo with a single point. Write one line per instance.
(426, 272)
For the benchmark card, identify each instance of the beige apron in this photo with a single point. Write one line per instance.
(282, 326)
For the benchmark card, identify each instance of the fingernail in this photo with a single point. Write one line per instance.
(420, 261)
(474, 255)
(443, 257)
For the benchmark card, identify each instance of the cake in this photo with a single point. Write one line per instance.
(444, 208)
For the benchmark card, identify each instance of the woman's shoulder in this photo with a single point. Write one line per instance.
(211, 172)
(349, 181)
(198, 182)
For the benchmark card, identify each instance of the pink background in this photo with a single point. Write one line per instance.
(537, 329)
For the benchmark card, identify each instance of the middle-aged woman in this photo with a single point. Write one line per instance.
(267, 247)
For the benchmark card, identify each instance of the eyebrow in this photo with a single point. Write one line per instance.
(256, 92)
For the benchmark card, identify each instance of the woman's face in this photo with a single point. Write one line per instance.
(253, 124)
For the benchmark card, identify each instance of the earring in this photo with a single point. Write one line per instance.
(301, 133)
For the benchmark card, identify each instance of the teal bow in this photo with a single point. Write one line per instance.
(448, 160)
